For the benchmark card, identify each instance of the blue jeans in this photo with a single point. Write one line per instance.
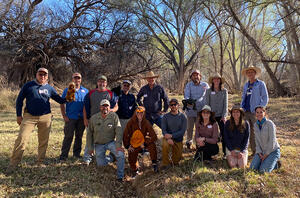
(103, 160)
(268, 164)
(86, 156)
(156, 121)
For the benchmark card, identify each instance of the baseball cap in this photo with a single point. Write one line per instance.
(174, 100)
(127, 81)
(102, 77)
(42, 69)
(76, 75)
(104, 102)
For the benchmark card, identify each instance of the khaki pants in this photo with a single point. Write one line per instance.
(176, 152)
(191, 122)
(250, 117)
(43, 124)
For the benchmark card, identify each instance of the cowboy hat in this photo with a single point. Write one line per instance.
(150, 74)
(237, 107)
(256, 69)
(195, 71)
(217, 75)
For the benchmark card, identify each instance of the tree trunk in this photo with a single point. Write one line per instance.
(279, 89)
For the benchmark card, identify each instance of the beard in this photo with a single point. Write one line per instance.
(196, 81)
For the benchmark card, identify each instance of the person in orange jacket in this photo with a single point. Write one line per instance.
(138, 136)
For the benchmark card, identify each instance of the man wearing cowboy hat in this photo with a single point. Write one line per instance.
(153, 95)
(195, 90)
(255, 93)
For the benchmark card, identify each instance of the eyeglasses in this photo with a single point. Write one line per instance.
(77, 77)
(43, 74)
(174, 104)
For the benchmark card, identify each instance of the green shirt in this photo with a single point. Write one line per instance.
(104, 130)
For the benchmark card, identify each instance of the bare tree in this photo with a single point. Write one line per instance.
(279, 89)
(172, 24)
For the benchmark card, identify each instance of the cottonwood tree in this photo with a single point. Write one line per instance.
(174, 24)
(278, 88)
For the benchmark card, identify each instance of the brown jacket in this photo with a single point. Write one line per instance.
(147, 130)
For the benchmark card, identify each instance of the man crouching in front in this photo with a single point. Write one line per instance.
(104, 132)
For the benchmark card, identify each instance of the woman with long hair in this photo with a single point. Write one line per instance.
(236, 137)
(217, 98)
(206, 136)
(267, 153)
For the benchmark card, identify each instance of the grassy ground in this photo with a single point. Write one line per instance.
(73, 179)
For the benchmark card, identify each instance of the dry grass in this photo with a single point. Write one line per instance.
(72, 179)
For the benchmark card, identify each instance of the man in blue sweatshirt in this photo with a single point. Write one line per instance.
(36, 113)
(173, 128)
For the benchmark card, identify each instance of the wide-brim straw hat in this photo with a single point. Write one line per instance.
(217, 75)
(256, 69)
(150, 74)
(237, 107)
(195, 71)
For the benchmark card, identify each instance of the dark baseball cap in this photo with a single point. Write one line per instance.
(173, 100)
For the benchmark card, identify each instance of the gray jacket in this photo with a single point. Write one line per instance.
(265, 139)
(218, 101)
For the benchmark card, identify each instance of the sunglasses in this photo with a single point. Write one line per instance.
(125, 85)
(43, 74)
(206, 112)
(76, 77)
(174, 104)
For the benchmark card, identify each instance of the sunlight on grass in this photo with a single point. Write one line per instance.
(73, 179)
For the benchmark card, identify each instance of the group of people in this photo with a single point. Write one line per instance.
(113, 120)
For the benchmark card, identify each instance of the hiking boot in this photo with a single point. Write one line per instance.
(279, 164)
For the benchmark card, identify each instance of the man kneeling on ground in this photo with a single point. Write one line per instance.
(105, 133)
(174, 125)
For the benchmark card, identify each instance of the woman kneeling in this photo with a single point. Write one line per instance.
(206, 136)
(267, 148)
(236, 137)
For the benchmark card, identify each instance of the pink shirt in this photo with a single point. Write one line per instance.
(210, 132)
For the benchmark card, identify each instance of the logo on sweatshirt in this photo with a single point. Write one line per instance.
(44, 91)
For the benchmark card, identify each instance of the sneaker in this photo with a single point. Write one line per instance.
(86, 163)
(155, 168)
